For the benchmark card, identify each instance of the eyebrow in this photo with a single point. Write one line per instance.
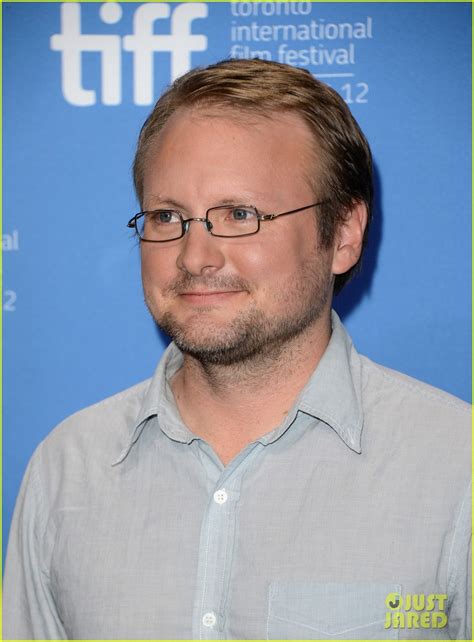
(165, 202)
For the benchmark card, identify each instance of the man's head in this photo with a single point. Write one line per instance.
(223, 137)
(341, 174)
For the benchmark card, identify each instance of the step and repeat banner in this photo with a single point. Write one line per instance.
(80, 78)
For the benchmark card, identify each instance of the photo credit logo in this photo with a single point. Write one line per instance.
(415, 611)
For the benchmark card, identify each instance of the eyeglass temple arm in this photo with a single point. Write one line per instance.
(270, 217)
(133, 221)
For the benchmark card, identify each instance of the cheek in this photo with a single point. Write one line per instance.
(147, 256)
(156, 265)
(286, 260)
(148, 270)
(273, 269)
(270, 247)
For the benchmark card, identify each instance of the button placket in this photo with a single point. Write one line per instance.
(216, 545)
(218, 542)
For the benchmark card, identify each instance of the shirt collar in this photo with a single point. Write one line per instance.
(157, 402)
(332, 395)
(334, 392)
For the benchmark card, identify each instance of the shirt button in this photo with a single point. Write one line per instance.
(220, 496)
(209, 619)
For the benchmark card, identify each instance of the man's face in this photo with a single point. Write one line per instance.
(225, 300)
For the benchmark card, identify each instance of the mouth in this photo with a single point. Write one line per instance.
(208, 297)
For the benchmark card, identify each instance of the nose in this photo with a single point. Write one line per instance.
(200, 253)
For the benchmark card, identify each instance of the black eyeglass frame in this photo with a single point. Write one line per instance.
(133, 222)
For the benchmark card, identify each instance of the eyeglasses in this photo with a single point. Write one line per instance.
(225, 221)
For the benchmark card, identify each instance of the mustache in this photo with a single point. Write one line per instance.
(187, 283)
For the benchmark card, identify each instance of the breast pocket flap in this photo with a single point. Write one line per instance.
(322, 610)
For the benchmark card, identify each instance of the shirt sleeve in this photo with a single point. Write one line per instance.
(459, 575)
(29, 611)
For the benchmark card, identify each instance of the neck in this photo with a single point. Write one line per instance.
(232, 405)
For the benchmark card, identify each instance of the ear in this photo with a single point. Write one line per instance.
(348, 241)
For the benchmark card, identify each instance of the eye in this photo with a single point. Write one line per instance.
(241, 214)
(163, 217)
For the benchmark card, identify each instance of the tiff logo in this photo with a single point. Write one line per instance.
(143, 43)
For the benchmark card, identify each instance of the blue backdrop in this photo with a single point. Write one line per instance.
(79, 79)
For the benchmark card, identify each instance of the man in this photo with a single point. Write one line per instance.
(268, 482)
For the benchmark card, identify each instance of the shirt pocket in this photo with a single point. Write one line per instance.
(329, 611)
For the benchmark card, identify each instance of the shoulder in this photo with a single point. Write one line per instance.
(414, 409)
(96, 432)
(405, 388)
(121, 407)
(420, 437)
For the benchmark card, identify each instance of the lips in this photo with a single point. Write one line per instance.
(208, 296)
(207, 292)
(188, 285)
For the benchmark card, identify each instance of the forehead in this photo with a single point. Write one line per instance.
(213, 143)
(232, 121)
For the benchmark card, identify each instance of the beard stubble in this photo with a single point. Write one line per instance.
(252, 335)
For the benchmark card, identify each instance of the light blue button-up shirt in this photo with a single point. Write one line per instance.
(128, 526)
